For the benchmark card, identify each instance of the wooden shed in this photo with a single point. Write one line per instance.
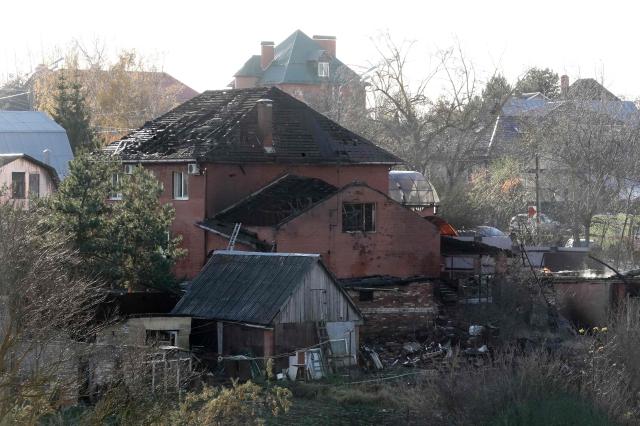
(266, 304)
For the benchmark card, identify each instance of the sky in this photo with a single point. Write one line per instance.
(203, 43)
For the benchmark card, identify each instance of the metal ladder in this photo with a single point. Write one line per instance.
(234, 236)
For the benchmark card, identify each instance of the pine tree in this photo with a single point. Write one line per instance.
(71, 112)
(126, 242)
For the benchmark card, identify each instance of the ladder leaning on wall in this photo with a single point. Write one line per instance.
(234, 236)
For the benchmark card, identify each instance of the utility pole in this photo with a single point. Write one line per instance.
(537, 192)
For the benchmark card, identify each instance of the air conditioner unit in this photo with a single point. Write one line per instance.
(193, 169)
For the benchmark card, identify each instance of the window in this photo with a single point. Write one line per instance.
(17, 185)
(34, 185)
(323, 69)
(365, 295)
(180, 186)
(128, 169)
(115, 183)
(161, 337)
(358, 217)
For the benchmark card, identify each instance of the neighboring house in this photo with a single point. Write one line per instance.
(265, 304)
(21, 97)
(33, 133)
(524, 112)
(23, 178)
(221, 147)
(303, 67)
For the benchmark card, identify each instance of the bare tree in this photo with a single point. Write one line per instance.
(442, 136)
(46, 318)
(589, 150)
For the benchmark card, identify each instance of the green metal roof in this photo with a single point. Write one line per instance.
(295, 61)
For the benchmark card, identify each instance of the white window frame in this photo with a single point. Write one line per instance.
(128, 169)
(115, 181)
(323, 69)
(180, 190)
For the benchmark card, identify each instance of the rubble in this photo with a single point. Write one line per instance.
(425, 349)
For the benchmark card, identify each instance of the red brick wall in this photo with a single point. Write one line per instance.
(403, 244)
(396, 310)
(228, 184)
(188, 212)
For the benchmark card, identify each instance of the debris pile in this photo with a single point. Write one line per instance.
(425, 351)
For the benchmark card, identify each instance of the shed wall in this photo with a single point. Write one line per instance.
(317, 299)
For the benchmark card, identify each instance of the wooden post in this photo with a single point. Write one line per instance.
(219, 325)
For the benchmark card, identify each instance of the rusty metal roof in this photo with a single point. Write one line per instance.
(221, 126)
(246, 287)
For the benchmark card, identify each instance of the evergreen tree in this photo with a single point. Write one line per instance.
(71, 112)
(125, 241)
(540, 80)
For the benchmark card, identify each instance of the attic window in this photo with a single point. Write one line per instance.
(358, 217)
(323, 69)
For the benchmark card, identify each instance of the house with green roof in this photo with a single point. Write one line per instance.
(304, 67)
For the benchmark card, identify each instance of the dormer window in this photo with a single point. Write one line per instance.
(323, 69)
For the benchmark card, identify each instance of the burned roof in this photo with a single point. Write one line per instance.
(245, 286)
(278, 201)
(225, 230)
(221, 126)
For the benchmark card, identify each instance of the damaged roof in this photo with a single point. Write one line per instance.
(245, 286)
(225, 230)
(221, 126)
(284, 198)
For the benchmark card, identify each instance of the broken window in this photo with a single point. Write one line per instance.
(17, 185)
(323, 69)
(358, 217)
(34, 185)
(180, 186)
(161, 337)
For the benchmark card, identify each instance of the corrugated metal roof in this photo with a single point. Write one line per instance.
(245, 286)
(31, 132)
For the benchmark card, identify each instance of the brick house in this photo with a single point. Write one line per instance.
(218, 152)
(304, 67)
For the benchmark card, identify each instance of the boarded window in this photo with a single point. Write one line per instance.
(358, 217)
(34, 185)
(180, 186)
(17, 185)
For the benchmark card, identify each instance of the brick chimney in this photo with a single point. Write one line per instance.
(267, 50)
(564, 86)
(328, 43)
(265, 123)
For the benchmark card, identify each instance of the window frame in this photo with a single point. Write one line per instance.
(323, 69)
(14, 193)
(115, 181)
(34, 194)
(184, 185)
(367, 225)
(152, 337)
